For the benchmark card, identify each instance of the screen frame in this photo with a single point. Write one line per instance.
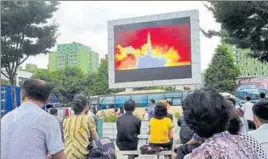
(194, 42)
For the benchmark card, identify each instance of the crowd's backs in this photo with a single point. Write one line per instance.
(206, 112)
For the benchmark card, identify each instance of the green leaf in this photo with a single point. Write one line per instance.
(244, 24)
(222, 73)
(25, 32)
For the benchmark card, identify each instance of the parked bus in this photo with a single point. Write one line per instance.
(141, 98)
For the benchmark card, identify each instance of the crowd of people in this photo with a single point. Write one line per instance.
(212, 127)
(217, 128)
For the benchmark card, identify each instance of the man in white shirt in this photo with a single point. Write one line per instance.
(247, 108)
(260, 111)
(248, 114)
(28, 132)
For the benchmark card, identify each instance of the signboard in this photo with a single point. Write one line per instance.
(154, 50)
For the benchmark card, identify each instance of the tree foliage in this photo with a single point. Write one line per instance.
(222, 73)
(25, 32)
(245, 24)
(66, 82)
(100, 84)
(70, 81)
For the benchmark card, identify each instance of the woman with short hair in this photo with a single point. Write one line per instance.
(161, 128)
(207, 113)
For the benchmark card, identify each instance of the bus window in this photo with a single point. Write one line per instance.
(169, 100)
(177, 101)
(120, 100)
(94, 101)
(106, 101)
(173, 94)
(141, 100)
(157, 97)
(185, 94)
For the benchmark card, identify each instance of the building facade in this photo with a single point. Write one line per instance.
(74, 55)
(249, 67)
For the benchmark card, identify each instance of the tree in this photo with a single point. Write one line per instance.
(25, 32)
(244, 23)
(45, 75)
(100, 80)
(222, 73)
(66, 82)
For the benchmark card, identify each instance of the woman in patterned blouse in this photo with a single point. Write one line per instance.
(208, 114)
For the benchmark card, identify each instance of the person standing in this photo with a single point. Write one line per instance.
(247, 108)
(238, 111)
(262, 96)
(128, 128)
(29, 132)
(121, 111)
(115, 112)
(54, 112)
(146, 114)
(248, 114)
(151, 108)
(79, 130)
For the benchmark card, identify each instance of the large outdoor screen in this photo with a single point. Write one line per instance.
(156, 50)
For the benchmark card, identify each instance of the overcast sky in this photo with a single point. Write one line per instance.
(86, 22)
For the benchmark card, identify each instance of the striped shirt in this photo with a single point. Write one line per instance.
(77, 135)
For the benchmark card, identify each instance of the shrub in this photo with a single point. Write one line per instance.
(111, 118)
(177, 115)
(138, 116)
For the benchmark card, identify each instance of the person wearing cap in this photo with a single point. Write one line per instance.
(151, 108)
(260, 117)
(79, 130)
